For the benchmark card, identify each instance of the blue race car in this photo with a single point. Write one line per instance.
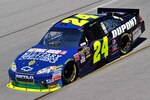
(75, 46)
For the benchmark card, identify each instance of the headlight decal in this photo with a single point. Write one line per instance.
(46, 70)
(13, 67)
(49, 69)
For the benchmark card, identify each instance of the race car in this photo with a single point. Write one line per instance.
(74, 47)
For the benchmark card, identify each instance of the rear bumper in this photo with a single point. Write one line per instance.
(137, 32)
(142, 26)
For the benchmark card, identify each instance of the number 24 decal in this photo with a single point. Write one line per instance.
(99, 49)
(79, 19)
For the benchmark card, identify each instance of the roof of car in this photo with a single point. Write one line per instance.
(77, 21)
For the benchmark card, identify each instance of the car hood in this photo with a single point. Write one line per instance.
(39, 57)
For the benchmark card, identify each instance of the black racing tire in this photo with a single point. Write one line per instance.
(69, 73)
(125, 43)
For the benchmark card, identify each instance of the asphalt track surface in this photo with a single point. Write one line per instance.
(24, 22)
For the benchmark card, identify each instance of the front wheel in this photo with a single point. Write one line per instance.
(69, 73)
(125, 43)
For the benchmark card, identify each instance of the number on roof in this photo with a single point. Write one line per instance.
(79, 19)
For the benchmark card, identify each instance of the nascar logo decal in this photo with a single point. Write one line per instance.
(128, 25)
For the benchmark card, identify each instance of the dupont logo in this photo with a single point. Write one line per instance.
(125, 27)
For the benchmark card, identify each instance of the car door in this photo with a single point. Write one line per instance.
(93, 47)
(99, 46)
(84, 54)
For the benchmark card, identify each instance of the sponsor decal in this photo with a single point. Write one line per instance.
(55, 78)
(82, 58)
(52, 80)
(31, 62)
(63, 52)
(42, 56)
(113, 41)
(53, 85)
(114, 48)
(47, 50)
(57, 69)
(53, 68)
(81, 52)
(87, 56)
(87, 50)
(27, 68)
(36, 50)
(56, 75)
(53, 51)
(104, 27)
(125, 27)
(59, 66)
(76, 57)
(57, 72)
(136, 33)
(24, 76)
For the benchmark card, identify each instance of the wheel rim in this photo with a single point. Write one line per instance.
(125, 45)
(70, 73)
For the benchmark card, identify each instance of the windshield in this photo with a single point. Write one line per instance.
(62, 38)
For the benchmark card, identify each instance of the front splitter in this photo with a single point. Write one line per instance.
(10, 85)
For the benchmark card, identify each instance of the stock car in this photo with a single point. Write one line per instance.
(74, 47)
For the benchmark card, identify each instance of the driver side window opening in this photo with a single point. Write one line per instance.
(84, 41)
(94, 31)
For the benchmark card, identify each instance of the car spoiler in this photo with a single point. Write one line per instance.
(122, 11)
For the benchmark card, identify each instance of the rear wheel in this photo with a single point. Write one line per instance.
(125, 43)
(69, 73)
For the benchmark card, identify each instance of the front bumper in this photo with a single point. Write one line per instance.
(37, 83)
(10, 85)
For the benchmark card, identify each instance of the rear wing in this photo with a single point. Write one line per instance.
(121, 11)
